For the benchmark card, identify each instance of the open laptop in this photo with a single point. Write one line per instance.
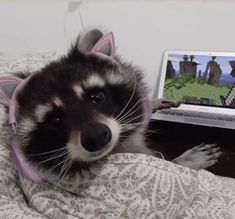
(205, 84)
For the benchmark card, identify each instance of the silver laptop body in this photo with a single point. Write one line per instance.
(205, 84)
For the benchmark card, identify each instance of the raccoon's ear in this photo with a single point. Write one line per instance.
(105, 46)
(94, 42)
(8, 85)
(86, 42)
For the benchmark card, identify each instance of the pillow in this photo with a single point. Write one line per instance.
(10, 63)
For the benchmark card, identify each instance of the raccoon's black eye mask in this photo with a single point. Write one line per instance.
(11, 86)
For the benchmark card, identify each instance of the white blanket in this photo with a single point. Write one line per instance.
(121, 186)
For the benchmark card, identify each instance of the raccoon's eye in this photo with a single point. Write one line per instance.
(96, 96)
(54, 118)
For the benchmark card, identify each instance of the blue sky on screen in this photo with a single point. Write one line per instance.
(202, 61)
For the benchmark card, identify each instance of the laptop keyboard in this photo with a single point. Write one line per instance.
(195, 114)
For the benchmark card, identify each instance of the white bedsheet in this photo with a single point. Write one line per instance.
(122, 186)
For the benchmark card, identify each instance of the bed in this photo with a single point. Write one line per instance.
(119, 186)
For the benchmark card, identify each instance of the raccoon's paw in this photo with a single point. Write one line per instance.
(163, 104)
(199, 157)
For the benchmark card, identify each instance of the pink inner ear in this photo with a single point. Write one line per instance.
(105, 46)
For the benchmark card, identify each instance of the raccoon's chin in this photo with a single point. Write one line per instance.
(80, 146)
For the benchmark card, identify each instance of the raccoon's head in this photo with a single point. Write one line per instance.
(80, 108)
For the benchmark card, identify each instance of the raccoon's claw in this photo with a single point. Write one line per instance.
(163, 104)
(200, 157)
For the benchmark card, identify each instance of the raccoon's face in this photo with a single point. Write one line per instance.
(77, 110)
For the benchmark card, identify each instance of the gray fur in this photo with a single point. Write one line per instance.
(87, 41)
(119, 74)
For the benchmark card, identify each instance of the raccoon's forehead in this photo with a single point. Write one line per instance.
(66, 77)
(55, 86)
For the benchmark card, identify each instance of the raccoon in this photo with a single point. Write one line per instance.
(80, 108)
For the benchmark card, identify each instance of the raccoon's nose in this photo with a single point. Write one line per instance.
(95, 136)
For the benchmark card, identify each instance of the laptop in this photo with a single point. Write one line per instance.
(204, 82)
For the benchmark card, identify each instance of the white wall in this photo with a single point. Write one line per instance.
(36, 25)
(143, 29)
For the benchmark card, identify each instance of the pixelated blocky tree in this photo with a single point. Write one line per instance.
(213, 58)
(191, 58)
(185, 58)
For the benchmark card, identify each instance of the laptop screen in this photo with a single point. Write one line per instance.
(204, 79)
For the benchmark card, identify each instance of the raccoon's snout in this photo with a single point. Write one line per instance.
(95, 137)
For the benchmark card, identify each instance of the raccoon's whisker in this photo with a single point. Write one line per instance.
(65, 168)
(130, 125)
(48, 152)
(131, 119)
(147, 134)
(126, 130)
(64, 164)
(51, 169)
(112, 115)
(153, 131)
(129, 128)
(54, 157)
(131, 111)
(128, 102)
(123, 136)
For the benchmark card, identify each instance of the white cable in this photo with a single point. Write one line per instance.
(72, 9)
(80, 17)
